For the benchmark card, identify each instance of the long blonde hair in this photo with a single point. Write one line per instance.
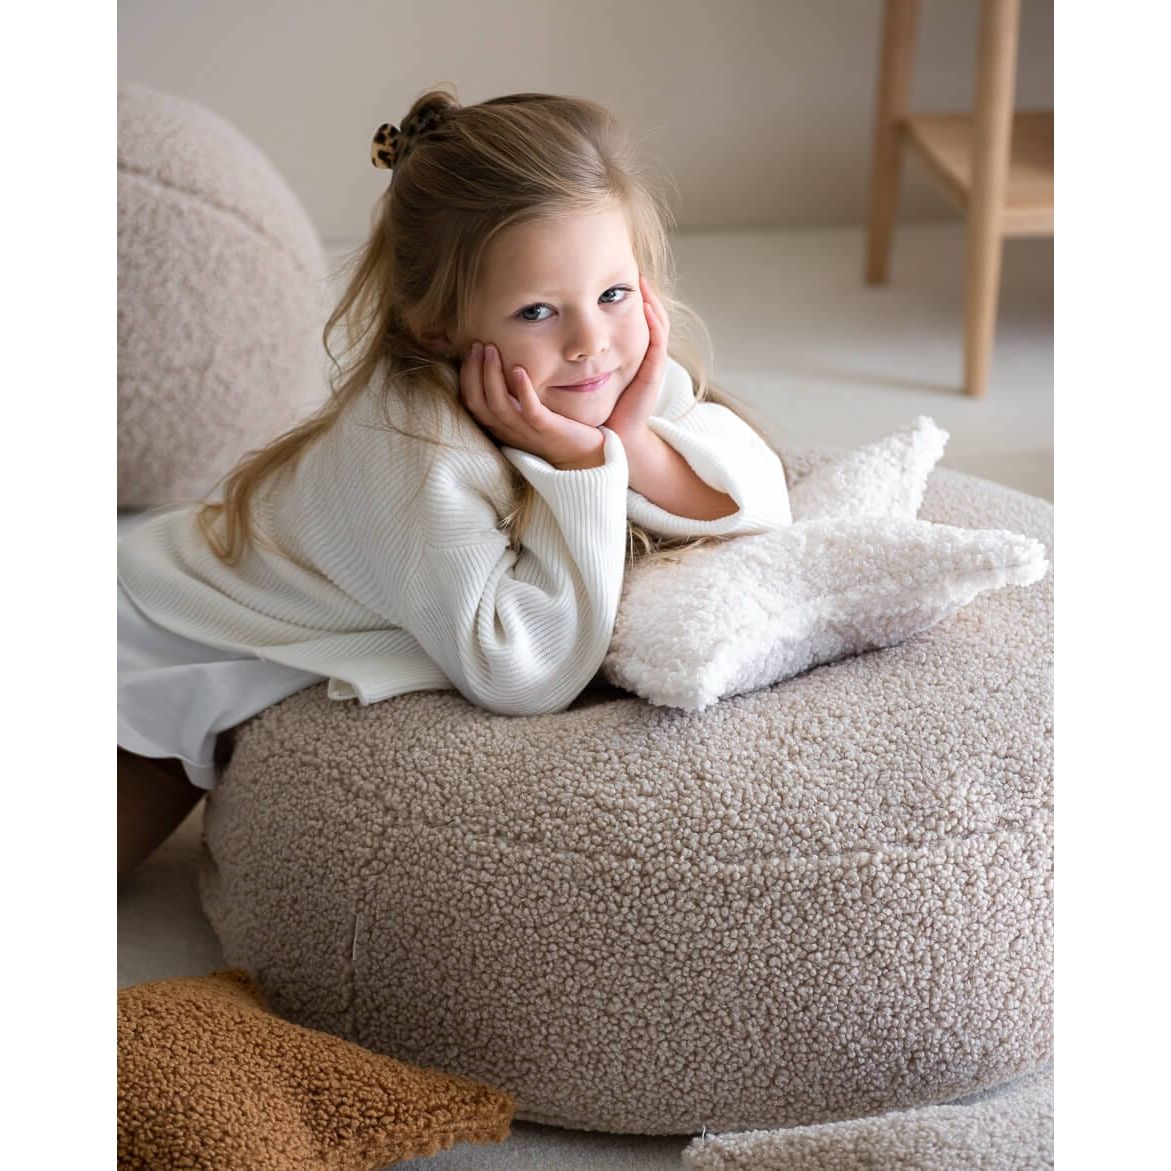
(478, 170)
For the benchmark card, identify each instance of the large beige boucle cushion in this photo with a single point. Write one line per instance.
(221, 280)
(813, 902)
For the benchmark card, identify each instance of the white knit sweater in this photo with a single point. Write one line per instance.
(391, 578)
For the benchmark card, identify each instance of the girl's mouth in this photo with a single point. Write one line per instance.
(597, 384)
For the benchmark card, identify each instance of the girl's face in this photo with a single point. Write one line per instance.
(562, 300)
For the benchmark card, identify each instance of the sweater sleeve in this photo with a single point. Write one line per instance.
(522, 632)
(726, 453)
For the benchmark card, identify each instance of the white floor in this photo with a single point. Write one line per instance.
(831, 360)
(828, 361)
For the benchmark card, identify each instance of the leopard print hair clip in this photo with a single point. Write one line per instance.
(391, 145)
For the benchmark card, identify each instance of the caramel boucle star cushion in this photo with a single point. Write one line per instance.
(209, 1078)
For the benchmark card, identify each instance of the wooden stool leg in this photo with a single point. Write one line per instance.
(995, 80)
(890, 107)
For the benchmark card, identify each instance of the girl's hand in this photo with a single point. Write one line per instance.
(524, 421)
(636, 403)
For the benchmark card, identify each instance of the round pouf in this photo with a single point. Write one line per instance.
(221, 287)
(821, 900)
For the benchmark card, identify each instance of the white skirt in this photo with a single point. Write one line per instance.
(176, 696)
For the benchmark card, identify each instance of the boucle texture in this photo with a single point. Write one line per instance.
(209, 1079)
(822, 900)
(885, 478)
(722, 621)
(221, 286)
(855, 572)
(1009, 1129)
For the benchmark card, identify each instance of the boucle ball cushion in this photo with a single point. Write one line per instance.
(824, 899)
(208, 1077)
(855, 572)
(1008, 1129)
(221, 286)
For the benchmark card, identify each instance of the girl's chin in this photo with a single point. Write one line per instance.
(594, 417)
(592, 411)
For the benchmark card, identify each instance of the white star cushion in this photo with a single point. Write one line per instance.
(855, 572)
(884, 478)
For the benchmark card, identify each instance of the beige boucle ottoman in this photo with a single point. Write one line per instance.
(814, 902)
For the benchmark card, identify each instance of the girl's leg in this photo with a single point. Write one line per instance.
(154, 796)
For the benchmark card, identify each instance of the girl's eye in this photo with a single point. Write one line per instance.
(612, 289)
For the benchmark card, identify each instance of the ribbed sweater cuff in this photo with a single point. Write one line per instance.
(573, 495)
(753, 476)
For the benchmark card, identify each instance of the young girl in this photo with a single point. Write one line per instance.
(458, 513)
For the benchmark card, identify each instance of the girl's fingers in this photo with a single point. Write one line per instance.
(471, 377)
(653, 297)
(527, 398)
(499, 392)
(661, 317)
(495, 389)
(649, 295)
(652, 319)
(657, 348)
(655, 311)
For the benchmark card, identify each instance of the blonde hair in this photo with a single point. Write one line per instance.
(479, 170)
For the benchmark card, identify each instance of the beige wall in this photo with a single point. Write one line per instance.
(760, 109)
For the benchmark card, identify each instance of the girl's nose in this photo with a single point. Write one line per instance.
(587, 341)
